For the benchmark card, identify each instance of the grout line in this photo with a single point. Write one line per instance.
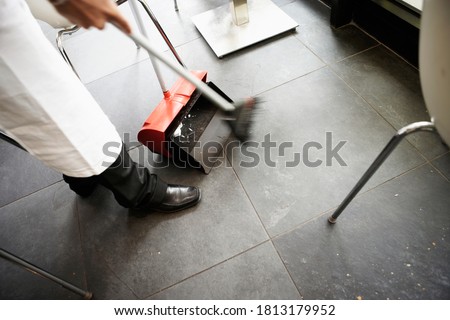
(291, 80)
(416, 148)
(439, 172)
(143, 60)
(115, 71)
(77, 218)
(356, 54)
(440, 156)
(399, 56)
(374, 108)
(430, 162)
(254, 208)
(300, 225)
(329, 65)
(32, 193)
(115, 275)
(309, 49)
(265, 229)
(287, 270)
(379, 42)
(83, 259)
(358, 195)
(250, 200)
(207, 269)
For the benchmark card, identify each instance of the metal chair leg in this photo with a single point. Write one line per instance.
(396, 139)
(6, 138)
(30, 267)
(175, 3)
(36, 270)
(161, 31)
(157, 25)
(60, 46)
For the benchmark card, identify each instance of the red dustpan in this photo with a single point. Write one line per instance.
(184, 125)
(155, 130)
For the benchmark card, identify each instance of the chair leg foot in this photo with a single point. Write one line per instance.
(88, 296)
(331, 220)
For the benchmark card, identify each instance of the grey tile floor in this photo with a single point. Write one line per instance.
(261, 230)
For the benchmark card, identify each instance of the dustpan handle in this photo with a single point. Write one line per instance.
(200, 85)
(140, 24)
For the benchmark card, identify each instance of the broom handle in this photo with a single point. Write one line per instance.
(200, 85)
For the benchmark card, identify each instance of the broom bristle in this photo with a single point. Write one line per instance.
(243, 117)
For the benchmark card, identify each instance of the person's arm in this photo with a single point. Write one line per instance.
(91, 13)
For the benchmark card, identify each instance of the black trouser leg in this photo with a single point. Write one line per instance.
(82, 186)
(133, 186)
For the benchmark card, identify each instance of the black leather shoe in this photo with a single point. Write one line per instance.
(179, 198)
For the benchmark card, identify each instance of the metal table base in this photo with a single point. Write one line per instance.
(217, 27)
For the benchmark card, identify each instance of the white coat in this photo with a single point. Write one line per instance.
(43, 105)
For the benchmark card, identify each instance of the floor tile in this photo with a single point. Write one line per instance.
(392, 87)
(282, 2)
(255, 274)
(43, 229)
(102, 281)
(328, 43)
(443, 164)
(21, 174)
(248, 71)
(96, 53)
(156, 251)
(291, 183)
(308, 12)
(335, 44)
(390, 243)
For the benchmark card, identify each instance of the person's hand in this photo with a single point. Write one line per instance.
(91, 13)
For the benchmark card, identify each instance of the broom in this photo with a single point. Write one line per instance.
(239, 114)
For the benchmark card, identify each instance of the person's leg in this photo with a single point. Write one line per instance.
(82, 186)
(47, 110)
(135, 187)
